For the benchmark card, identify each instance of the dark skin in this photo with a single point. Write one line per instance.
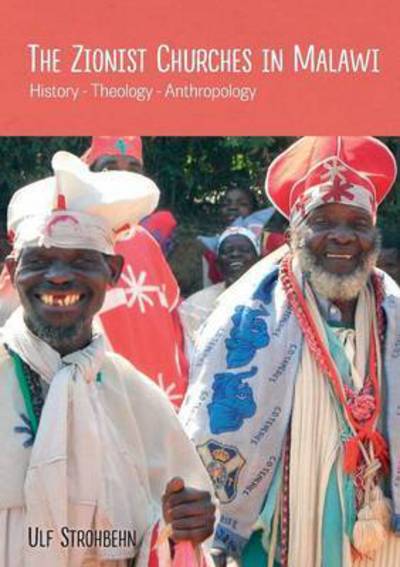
(235, 256)
(117, 163)
(189, 511)
(339, 237)
(48, 281)
(236, 203)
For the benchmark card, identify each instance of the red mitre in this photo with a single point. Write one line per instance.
(316, 170)
(114, 145)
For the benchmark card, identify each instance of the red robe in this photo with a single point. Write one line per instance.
(140, 316)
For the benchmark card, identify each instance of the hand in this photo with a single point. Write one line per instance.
(189, 511)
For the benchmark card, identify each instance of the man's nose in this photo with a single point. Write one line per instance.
(343, 235)
(59, 273)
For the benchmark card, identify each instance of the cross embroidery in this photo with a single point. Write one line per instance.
(335, 182)
(334, 171)
(338, 192)
(174, 398)
(301, 204)
(140, 292)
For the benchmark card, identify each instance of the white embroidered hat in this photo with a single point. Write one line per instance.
(77, 208)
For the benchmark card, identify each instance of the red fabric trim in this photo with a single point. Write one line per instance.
(214, 273)
(153, 556)
(122, 228)
(365, 431)
(61, 203)
(272, 241)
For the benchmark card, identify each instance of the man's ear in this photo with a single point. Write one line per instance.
(115, 263)
(11, 264)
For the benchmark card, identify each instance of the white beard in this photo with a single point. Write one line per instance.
(332, 286)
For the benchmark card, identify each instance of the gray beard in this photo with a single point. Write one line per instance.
(332, 286)
(60, 339)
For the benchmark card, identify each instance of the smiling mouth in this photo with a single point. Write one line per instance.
(57, 300)
(340, 256)
(236, 265)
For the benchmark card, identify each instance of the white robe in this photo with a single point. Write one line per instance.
(149, 432)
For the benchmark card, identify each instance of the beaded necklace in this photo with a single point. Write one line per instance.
(29, 384)
(362, 432)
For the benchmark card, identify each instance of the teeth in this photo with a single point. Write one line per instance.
(344, 256)
(49, 299)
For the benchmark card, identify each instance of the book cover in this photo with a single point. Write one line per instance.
(215, 90)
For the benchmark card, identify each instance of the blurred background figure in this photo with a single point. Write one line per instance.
(389, 257)
(238, 249)
(110, 153)
(139, 316)
(162, 226)
(239, 207)
(274, 233)
(237, 202)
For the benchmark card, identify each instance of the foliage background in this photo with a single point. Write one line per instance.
(192, 174)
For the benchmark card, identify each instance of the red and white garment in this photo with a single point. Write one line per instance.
(318, 170)
(140, 317)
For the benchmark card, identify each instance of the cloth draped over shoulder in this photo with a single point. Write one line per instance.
(240, 402)
(97, 462)
(195, 310)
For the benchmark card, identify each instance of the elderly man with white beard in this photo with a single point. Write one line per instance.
(294, 403)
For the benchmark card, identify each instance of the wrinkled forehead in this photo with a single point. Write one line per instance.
(338, 212)
(54, 253)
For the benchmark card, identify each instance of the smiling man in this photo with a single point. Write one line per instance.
(238, 249)
(306, 463)
(82, 460)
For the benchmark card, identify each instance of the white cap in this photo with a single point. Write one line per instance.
(78, 208)
(240, 231)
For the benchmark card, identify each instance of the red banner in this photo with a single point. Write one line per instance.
(260, 67)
